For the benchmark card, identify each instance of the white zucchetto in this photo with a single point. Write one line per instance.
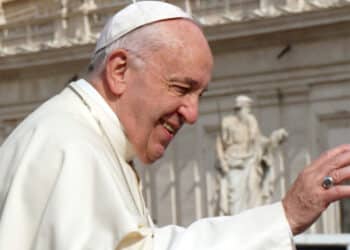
(135, 16)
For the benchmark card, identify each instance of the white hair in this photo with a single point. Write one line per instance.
(140, 42)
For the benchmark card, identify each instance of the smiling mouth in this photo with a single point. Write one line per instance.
(169, 127)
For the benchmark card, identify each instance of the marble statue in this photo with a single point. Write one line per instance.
(247, 160)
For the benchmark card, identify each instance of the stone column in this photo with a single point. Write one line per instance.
(86, 8)
(2, 14)
(61, 25)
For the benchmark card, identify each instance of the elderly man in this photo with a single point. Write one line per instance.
(65, 176)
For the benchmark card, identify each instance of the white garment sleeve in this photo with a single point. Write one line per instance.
(263, 228)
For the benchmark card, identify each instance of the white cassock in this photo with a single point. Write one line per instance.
(65, 184)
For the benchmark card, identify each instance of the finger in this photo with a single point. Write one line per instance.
(327, 158)
(338, 192)
(339, 161)
(341, 174)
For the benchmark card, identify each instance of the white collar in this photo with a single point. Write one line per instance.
(92, 92)
(125, 147)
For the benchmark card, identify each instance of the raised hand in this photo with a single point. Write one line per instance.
(308, 197)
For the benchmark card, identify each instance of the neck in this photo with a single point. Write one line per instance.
(104, 91)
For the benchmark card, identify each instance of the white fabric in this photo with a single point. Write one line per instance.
(65, 185)
(134, 16)
(92, 92)
(263, 228)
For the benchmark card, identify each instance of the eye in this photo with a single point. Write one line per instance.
(179, 89)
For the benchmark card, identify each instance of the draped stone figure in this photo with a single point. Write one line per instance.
(247, 160)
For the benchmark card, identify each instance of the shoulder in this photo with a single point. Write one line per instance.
(58, 124)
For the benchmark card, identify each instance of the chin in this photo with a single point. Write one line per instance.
(152, 153)
(149, 159)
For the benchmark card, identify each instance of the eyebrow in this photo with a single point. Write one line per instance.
(187, 80)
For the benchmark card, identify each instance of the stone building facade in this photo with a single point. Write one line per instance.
(291, 56)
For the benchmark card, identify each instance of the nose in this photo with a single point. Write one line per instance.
(189, 109)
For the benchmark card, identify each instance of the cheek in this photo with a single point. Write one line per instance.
(145, 101)
(146, 115)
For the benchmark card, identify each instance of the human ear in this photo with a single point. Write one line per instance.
(115, 69)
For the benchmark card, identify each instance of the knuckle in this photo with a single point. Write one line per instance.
(333, 194)
(336, 190)
(337, 160)
(336, 175)
(337, 193)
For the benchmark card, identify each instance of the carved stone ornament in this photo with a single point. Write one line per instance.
(70, 21)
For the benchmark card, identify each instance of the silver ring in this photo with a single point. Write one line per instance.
(327, 182)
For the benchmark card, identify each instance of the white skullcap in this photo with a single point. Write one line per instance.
(135, 16)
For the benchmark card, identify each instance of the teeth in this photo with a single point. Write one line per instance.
(168, 127)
